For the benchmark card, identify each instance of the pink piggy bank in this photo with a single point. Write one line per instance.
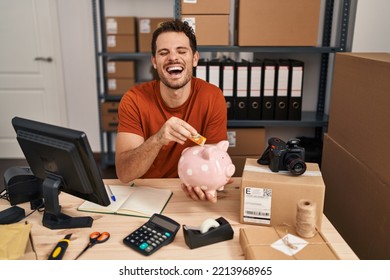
(209, 167)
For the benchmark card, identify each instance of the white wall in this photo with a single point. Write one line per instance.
(371, 34)
(372, 26)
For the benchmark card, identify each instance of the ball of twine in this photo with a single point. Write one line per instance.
(306, 218)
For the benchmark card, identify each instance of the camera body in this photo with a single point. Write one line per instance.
(280, 155)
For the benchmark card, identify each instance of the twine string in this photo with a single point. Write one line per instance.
(306, 218)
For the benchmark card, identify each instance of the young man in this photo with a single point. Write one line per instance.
(157, 118)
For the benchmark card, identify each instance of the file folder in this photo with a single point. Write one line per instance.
(241, 90)
(214, 67)
(227, 81)
(281, 89)
(201, 71)
(268, 90)
(254, 99)
(296, 90)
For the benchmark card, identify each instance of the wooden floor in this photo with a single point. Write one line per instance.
(106, 172)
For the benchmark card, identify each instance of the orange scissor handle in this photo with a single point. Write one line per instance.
(99, 237)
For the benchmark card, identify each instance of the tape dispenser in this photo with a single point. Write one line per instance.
(210, 231)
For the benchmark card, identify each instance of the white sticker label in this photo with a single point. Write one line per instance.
(231, 135)
(111, 68)
(257, 205)
(112, 26)
(112, 84)
(289, 244)
(111, 41)
(144, 26)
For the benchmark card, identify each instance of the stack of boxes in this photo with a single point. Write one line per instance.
(269, 202)
(120, 32)
(209, 19)
(355, 159)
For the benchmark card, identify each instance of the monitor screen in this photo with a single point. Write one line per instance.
(63, 159)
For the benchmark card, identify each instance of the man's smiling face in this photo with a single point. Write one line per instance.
(174, 59)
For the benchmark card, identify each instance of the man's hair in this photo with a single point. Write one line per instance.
(174, 26)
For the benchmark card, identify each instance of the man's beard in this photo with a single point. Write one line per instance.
(177, 84)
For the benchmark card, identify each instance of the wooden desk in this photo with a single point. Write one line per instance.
(180, 208)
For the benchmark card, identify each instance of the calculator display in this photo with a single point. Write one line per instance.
(163, 223)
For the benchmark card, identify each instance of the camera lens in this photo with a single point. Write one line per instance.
(296, 165)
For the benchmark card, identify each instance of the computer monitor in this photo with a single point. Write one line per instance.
(62, 158)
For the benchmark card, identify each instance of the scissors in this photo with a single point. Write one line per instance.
(95, 238)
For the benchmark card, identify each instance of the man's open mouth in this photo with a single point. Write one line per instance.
(174, 70)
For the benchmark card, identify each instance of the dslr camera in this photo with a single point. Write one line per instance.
(280, 155)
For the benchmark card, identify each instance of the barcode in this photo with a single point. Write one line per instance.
(267, 192)
(257, 213)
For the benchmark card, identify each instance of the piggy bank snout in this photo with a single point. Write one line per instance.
(230, 169)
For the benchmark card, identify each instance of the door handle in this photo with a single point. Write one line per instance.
(40, 58)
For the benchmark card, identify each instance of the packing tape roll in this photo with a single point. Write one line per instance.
(207, 225)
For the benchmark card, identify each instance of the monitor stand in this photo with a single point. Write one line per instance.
(52, 217)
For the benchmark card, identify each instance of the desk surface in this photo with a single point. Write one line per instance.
(180, 208)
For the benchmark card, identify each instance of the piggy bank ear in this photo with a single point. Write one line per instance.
(223, 145)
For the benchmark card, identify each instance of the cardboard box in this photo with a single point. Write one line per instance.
(359, 110)
(246, 141)
(146, 27)
(205, 7)
(256, 243)
(239, 163)
(120, 69)
(210, 30)
(354, 159)
(108, 107)
(119, 86)
(270, 198)
(278, 23)
(121, 43)
(120, 25)
(110, 122)
(356, 201)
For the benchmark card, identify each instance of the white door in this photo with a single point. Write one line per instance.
(31, 80)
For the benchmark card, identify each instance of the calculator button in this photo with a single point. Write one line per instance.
(149, 248)
(167, 234)
(143, 246)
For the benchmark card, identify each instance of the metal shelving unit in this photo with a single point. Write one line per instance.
(317, 119)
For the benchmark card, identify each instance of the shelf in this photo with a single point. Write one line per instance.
(309, 119)
(236, 49)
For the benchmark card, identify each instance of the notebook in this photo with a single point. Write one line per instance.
(140, 201)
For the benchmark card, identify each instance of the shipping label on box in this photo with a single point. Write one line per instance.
(271, 198)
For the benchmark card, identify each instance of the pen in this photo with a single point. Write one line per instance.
(111, 194)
